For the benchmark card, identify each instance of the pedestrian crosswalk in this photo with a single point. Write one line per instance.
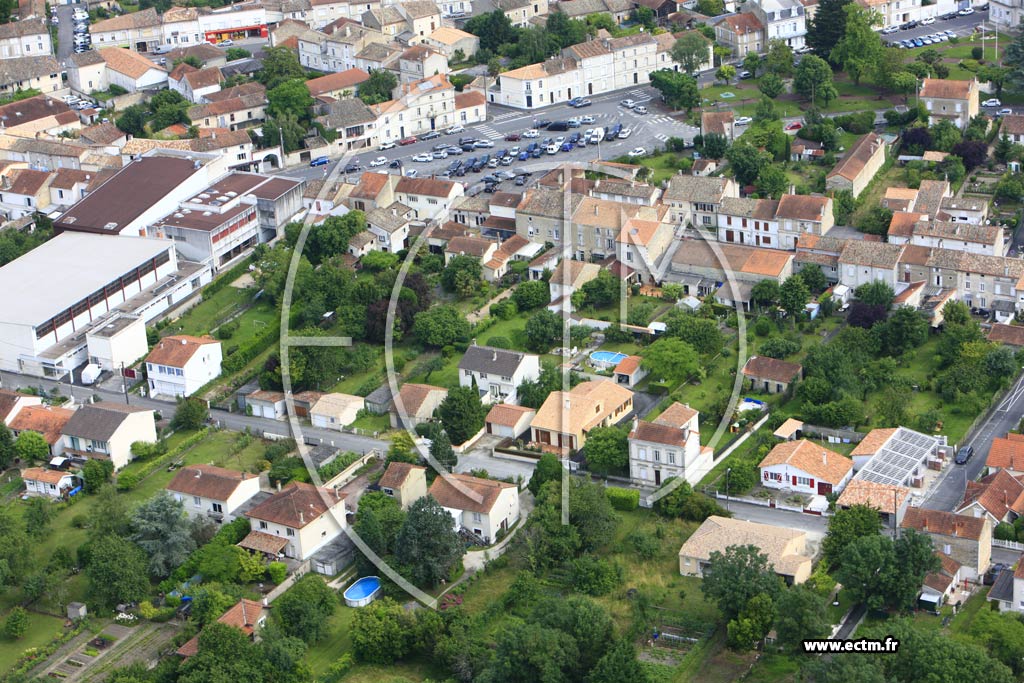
(488, 132)
(661, 119)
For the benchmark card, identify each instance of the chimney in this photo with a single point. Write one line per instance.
(266, 602)
(824, 457)
(302, 517)
(184, 342)
(279, 486)
(199, 473)
(494, 356)
(214, 135)
(596, 209)
(792, 188)
(568, 404)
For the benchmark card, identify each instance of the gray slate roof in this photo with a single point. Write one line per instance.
(491, 360)
(99, 421)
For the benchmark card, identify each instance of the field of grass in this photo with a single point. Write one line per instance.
(41, 630)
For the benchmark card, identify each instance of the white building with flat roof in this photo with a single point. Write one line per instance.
(54, 295)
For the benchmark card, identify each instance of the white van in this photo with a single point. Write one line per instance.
(552, 149)
(597, 134)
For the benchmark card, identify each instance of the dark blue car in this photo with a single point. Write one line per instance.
(567, 146)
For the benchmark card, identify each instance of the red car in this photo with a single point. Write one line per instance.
(407, 141)
(796, 125)
(513, 137)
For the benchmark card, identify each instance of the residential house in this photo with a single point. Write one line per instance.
(497, 373)
(232, 113)
(180, 28)
(418, 107)
(86, 72)
(801, 215)
(215, 492)
(24, 192)
(1008, 335)
(451, 42)
(429, 198)
(695, 200)
(898, 456)
(107, 430)
(390, 226)
(862, 261)
(56, 484)
(335, 411)
(11, 403)
(39, 114)
(132, 71)
(480, 248)
(484, 507)
(379, 400)
(771, 375)
(419, 62)
(742, 33)
(415, 403)
(718, 123)
(896, 12)
(246, 615)
(786, 549)
(619, 10)
(195, 84)
(891, 501)
(568, 277)
(25, 38)
(296, 521)
(521, 12)
(662, 8)
(668, 447)
(508, 420)
(47, 421)
(950, 100)
(140, 31)
(179, 365)
(566, 417)
(18, 74)
(404, 482)
(965, 538)
(422, 18)
(538, 85)
(372, 190)
(1012, 126)
(353, 122)
(1006, 453)
(944, 585)
(703, 270)
(339, 85)
(858, 166)
(749, 221)
(805, 467)
(1008, 590)
(998, 497)
(784, 20)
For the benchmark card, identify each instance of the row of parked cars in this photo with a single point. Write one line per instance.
(921, 41)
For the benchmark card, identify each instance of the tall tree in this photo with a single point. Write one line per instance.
(549, 468)
(691, 51)
(736, 576)
(529, 653)
(827, 27)
(802, 614)
(31, 446)
(462, 414)
(619, 664)
(860, 48)
(7, 450)
(379, 87)
(914, 559)
(607, 449)
(428, 543)
(670, 360)
(162, 529)
(381, 632)
(303, 610)
(116, 572)
(679, 89)
(793, 296)
(846, 526)
(813, 80)
(279, 65)
(865, 568)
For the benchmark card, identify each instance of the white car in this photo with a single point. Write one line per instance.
(628, 104)
(552, 149)
(423, 157)
(587, 119)
(532, 133)
(743, 121)
(992, 102)
(966, 12)
(638, 152)
(379, 161)
(384, 146)
(927, 21)
(454, 129)
(625, 133)
(1004, 112)
(559, 140)
(640, 109)
(440, 154)
(891, 29)
(411, 173)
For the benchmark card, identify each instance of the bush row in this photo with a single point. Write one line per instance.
(244, 353)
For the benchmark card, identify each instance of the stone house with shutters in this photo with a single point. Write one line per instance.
(948, 100)
(771, 375)
(966, 539)
(667, 447)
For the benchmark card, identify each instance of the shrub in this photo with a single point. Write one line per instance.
(277, 571)
(977, 52)
(623, 499)
(763, 327)
(227, 330)
(499, 342)
(595, 576)
(645, 545)
(127, 481)
(1004, 532)
(779, 347)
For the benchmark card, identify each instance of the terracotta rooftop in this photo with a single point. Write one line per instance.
(48, 421)
(857, 157)
(1011, 335)
(396, 474)
(207, 481)
(763, 367)
(997, 494)
(943, 523)
(446, 493)
(47, 476)
(1006, 454)
(873, 441)
(809, 457)
(176, 350)
(947, 89)
(507, 414)
(297, 505)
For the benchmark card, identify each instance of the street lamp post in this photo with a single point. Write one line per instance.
(728, 471)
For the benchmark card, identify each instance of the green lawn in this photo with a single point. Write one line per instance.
(41, 630)
(373, 423)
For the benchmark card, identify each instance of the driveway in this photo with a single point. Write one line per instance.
(480, 458)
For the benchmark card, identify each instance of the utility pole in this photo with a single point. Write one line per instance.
(124, 385)
(728, 471)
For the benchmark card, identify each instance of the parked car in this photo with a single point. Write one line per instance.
(964, 455)
(745, 75)
(407, 141)
(440, 154)
(552, 148)
(890, 29)
(1005, 111)
(542, 123)
(453, 150)
(927, 21)
(411, 173)
(584, 103)
(430, 135)
(386, 146)
(637, 152)
(226, 43)
(353, 166)
(397, 163)
(320, 161)
(559, 126)
(423, 157)
(513, 137)
(992, 102)
(483, 144)
(523, 156)
(625, 133)
(587, 119)
(743, 121)
(640, 109)
(568, 146)
(531, 133)
(379, 161)
(628, 104)
(454, 129)
(966, 12)
(795, 125)
(520, 180)
(948, 15)
(918, 42)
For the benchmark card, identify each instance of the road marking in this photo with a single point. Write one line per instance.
(489, 132)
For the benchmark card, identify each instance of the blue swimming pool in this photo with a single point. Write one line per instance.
(362, 592)
(606, 359)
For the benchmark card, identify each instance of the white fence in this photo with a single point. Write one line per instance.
(1012, 545)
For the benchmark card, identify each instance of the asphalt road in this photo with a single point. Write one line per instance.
(949, 491)
(64, 31)
(233, 421)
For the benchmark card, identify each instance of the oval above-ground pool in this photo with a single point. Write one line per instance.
(606, 359)
(362, 592)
